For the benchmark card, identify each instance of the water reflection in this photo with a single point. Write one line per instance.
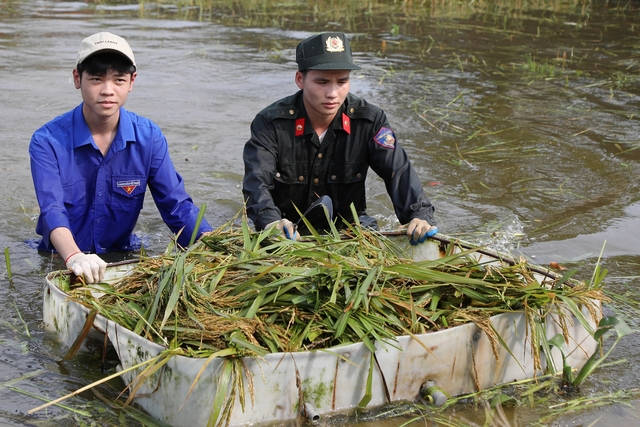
(522, 123)
(611, 235)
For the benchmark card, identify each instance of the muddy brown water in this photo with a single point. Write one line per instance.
(521, 119)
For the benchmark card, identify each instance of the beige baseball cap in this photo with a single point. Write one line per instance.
(104, 42)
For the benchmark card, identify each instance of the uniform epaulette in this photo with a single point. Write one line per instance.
(360, 109)
(280, 112)
(285, 108)
(362, 112)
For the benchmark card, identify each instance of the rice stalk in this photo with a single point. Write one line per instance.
(240, 293)
(282, 295)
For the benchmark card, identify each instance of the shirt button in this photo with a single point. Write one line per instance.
(319, 155)
(301, 178)
(316, 180)
(359, 175)
(291, 112)
(333, 177)
(278, 175)
(351, 110)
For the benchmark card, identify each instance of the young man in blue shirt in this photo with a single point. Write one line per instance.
(91, 166)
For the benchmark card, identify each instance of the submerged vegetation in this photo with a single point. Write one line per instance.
(505, 13)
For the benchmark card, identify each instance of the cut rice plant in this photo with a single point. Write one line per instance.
(259, 293)
(238, 293)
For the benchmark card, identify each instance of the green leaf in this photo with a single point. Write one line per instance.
(575, 310)
(341, 324)
(558, 342)
(222, 386)
(181, 272)
(246, 344)
(196, 229)
(500, 399)
(368, 393)
(606, 324)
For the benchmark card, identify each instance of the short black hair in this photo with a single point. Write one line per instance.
(100, 64)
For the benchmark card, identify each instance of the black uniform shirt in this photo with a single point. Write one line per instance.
(287, 166)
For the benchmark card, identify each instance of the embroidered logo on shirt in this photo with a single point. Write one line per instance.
(386, 138)
(128, 186)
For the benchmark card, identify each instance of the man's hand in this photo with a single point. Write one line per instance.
(91, 266)
(286, 227)
(418, 230)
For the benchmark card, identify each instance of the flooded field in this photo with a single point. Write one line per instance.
(521, 118)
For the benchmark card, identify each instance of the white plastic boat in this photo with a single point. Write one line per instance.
(458, 360)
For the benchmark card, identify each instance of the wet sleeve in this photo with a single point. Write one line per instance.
(389, 160)
(260, 160)
(169, 194)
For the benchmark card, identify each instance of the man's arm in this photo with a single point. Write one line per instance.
(260, 158)
(53, 222)
(391, 163)
(47, 184)
(63, 241)
(90, 266)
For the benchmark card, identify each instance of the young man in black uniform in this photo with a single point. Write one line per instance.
(322, 141)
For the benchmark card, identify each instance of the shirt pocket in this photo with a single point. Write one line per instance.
(75, 199)
(128, 193)
(292, 174)
(347, 173)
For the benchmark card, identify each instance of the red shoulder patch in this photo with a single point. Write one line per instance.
(346, 123)
(385, 138)
(300, 127)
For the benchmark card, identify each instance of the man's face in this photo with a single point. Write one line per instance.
(104, 95)
(324, 92)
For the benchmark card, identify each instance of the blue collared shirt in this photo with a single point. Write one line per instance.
(99, 198)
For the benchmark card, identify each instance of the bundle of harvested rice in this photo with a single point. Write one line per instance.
(258, 293)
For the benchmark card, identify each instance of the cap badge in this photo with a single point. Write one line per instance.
(334, 44)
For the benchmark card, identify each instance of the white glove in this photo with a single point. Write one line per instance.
(286, 227)
(91, 266)
(418, 230)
